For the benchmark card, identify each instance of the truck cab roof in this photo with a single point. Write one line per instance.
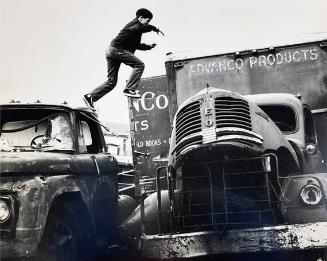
(276, 99)
(39, 105)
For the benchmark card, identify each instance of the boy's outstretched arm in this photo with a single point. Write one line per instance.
(145, 47)
(159, 31)
(148, 28)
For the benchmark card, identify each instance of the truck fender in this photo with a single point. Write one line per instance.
(67, 231)
(298, 152)
(75, 198)
(288, 162)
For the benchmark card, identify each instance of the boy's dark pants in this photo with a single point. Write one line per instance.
(114, 58)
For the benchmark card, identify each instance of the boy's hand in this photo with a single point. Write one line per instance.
(158, 31)
(161, 32)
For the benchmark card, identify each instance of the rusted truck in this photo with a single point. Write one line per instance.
(58, 190)
(245, 167)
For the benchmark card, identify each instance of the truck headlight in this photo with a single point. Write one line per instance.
(311, 194)
(4, 211)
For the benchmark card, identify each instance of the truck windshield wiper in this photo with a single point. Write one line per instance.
(96, 121)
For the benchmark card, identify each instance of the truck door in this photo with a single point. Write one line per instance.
(320, 119)
(102, 181)
(313, 159)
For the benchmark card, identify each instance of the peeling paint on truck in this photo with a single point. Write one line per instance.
(59, 186)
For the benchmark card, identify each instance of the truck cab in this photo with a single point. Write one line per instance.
(228, 162)
(58, 192)
(236, 178)
(294, 118)
(217, 201)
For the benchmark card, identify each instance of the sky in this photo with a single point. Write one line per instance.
(54, 50)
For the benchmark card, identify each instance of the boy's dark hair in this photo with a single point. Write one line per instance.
(144, 13)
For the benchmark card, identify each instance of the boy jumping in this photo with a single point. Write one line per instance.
(121, 50)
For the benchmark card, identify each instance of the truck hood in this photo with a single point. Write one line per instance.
(196, 125)
(26, 163)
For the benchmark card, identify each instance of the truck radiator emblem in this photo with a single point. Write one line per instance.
(209, 123)
(207, 111)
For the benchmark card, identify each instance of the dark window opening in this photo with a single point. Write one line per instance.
(283, 116)
(89, 138)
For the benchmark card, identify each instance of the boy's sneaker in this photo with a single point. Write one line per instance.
(131, 93)
(88, 101)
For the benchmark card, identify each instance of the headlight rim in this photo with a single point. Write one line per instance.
(7, 204)
(311, 149)
(316, 189)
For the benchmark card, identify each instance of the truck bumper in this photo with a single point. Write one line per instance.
(17, 248)
(264, 239)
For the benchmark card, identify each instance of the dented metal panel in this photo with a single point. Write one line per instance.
(36, 163)
(47, 164)
(285, 237)
(35, 195)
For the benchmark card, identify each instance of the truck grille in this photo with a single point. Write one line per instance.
(221, 194)
(188, 126)
(232, 112)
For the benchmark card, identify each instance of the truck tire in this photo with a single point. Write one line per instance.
(64, 236)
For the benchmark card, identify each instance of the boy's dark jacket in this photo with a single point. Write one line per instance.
(129, 38)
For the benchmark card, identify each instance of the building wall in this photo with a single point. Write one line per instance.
(119, 145)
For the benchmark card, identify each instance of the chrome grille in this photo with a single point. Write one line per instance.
(232, 112)
(188, 126)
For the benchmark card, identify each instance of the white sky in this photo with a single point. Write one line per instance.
(53, 50)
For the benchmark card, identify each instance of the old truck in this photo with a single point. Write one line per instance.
(244, 168)
(58, 190)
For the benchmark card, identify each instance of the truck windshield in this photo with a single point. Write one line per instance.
(35, 130)
(283, 116)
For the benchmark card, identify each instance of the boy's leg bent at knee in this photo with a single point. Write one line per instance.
(138, 68)
(112, 77)
(128, 58)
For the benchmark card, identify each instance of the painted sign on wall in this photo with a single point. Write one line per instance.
(149, 119)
